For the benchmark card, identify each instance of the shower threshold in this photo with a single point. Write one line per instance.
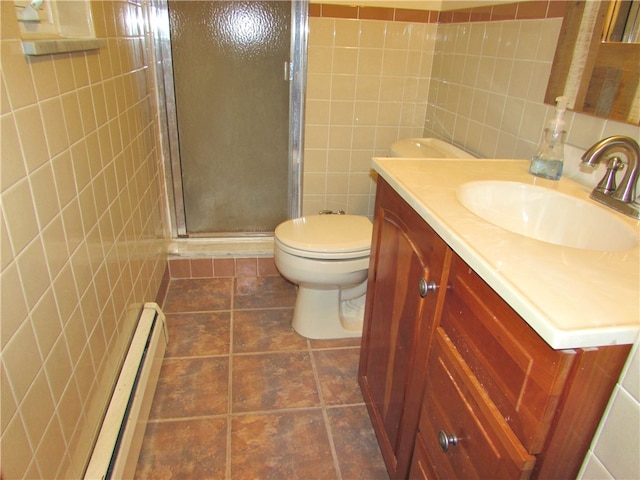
(223, 246)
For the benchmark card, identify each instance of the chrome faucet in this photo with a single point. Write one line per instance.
(622, 198)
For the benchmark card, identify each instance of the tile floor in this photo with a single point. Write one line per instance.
(242, 396)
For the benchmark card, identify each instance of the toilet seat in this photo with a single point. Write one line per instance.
(328, 237)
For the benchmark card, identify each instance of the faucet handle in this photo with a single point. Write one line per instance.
(608, 183)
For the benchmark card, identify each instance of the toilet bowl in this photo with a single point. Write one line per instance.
(327, 256)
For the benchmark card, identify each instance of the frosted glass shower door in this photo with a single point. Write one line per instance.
(232, 106)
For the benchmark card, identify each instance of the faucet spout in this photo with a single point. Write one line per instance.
(626, 191)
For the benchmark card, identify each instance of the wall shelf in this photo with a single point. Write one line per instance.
(52, 46)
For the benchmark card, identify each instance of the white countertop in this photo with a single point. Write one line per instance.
(571, 297)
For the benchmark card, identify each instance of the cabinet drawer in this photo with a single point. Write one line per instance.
(522, 375)
(456, 405)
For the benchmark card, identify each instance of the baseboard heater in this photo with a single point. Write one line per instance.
(115, 454)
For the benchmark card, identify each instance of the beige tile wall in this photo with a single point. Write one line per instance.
(81, 233)
(614, 450)
(367, 85)
(489, 80)
(488, 86)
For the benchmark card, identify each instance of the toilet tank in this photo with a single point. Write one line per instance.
(426, 148)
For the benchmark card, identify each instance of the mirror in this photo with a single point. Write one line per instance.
(600, 77)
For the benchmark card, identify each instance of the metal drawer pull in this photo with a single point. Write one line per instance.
(425, 287)
(446, 441)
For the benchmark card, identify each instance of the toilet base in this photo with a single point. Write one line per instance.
(317, 315)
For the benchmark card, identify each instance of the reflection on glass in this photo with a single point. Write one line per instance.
(623, 22)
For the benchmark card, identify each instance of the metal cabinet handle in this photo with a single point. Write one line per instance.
(425, 287)
(446, 441)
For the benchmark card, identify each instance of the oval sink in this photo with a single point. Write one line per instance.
(547, 215)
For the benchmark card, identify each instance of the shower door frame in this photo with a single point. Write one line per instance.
(294, 71)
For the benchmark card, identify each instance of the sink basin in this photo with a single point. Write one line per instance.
(547, 215)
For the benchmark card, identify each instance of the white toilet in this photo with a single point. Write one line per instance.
(327, 256)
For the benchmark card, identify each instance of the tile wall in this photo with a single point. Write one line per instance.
(366, 87)
(613, 453)
(81, 233)
(489, 77)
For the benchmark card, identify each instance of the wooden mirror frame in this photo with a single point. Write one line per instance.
(609, 84)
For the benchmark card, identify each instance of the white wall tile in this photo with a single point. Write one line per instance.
(594, 470)
(618, 442)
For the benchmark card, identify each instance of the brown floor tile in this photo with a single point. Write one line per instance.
(189, 387)
(184, 449)
(272, 375)
(263, 292)
(356, 446)
(285, 445)
(265, 331)
(198, 295)
(338, 374)
(197, 334)
(273, 381)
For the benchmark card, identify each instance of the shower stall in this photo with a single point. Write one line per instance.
(231, 77)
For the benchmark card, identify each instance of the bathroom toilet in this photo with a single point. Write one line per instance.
(327, 256)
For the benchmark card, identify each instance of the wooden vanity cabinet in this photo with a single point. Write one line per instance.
(460, 368)
(516, 407)
(409, 263)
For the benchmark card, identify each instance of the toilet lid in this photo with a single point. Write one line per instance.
(326, 236)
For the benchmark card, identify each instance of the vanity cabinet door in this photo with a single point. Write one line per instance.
(462, 434)
(409, 264)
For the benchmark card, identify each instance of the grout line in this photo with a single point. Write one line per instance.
(230, 385)
(186, 419)
(325, 416)
(277, 411)
(191, 357)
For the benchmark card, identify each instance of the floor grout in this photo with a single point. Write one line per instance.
(327, 424)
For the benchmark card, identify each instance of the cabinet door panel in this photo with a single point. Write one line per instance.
(523, 375)
(399, 323)
(457, 406)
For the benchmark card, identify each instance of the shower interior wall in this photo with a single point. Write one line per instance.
(82, 233)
